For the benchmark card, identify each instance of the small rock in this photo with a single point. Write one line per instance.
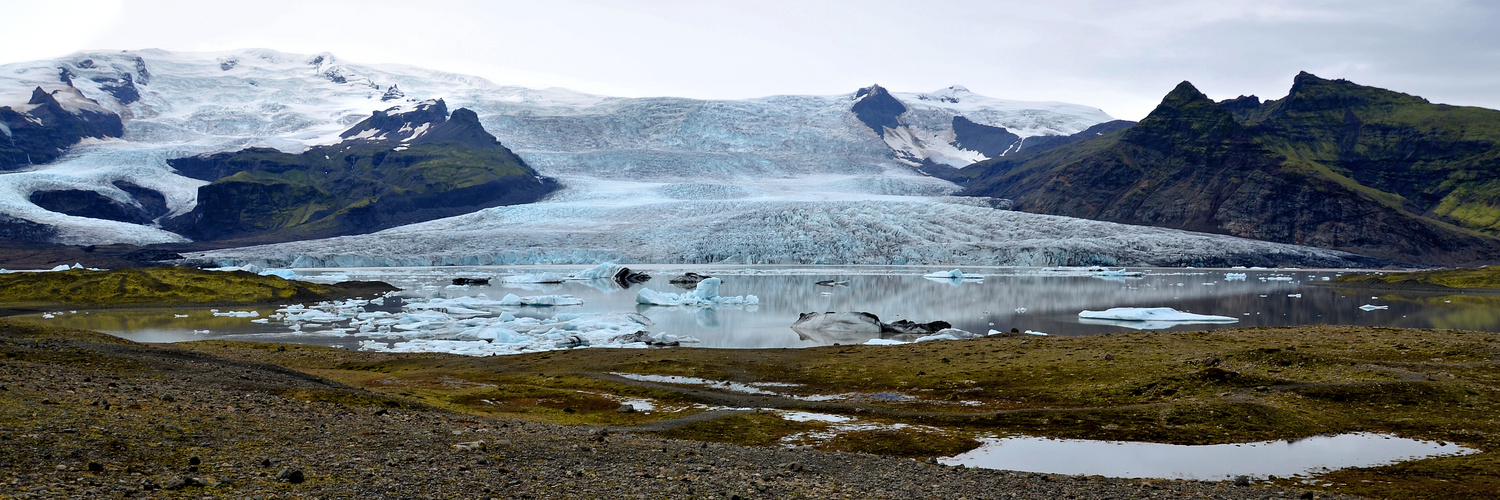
(181, 482)
(293, 476)
(96, 467)
(469, 446)
(382, 412)
(195, 461)
(265, 463)
(1242, 480)
(626, 408)
(168, 398)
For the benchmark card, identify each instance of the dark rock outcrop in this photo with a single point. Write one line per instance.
(877, 108)
(44, 128)
(987, 140)
(400, 166)
(1333, 165)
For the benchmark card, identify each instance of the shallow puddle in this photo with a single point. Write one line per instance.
(1208, 462)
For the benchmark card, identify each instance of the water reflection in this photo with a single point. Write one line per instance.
(1210, 462)
(1005, 299)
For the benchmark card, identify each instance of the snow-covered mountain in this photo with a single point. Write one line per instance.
(773, 179)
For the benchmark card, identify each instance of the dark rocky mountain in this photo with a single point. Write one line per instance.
(996, 141)
(877, 108)
(1333, 165)
(400, 166)
(47, 125)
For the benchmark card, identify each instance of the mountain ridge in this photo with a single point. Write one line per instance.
(1286, 170)
(405, 164)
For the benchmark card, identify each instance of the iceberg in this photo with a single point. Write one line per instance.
(953, 275)
(1153, 314)
(1368, 307)
(535, 278)
(603, 271)
(511, 299)
(706, 294)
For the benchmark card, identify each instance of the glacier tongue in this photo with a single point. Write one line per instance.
(780, 179)
(791, 229)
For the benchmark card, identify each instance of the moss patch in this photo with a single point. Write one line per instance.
(165, 286)
(746, 429)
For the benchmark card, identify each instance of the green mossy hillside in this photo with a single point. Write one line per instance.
(163, 287)
(1481, 278)
(1334, 165)
(356, 186)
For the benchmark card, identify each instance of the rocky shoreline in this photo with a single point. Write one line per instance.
(85, 415)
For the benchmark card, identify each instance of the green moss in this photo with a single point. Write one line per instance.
(745, 429)
(905, 442)
(158, 286)
(1476, 278)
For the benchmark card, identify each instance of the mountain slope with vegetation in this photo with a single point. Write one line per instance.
(1334, 165)
(394, 168)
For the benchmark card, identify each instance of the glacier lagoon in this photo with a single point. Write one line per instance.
(431, 314)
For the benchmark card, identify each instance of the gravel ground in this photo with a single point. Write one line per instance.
(87, 416)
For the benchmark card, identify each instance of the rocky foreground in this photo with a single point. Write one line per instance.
(85, 415)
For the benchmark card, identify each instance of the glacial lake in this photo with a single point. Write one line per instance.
(1035, 299)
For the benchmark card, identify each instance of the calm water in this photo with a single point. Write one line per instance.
(1208, 462)
(1025, 299)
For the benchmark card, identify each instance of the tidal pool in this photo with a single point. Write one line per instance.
(1207, 462)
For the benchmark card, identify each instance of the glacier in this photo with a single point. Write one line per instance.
(771, 180)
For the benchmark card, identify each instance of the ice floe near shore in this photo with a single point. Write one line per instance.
(1151, 314)
(706, 295)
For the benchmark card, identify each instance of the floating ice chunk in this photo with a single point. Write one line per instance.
(286, 274)
(1152, 314)
(1234, 276)
(1121, 273)
(945, 274)
(511, 299)
(1020, 310)
(179, 315)
(236, 314)
(535, 278)
(948, 334)
(60, 267)
(1368, 307)
(1034, 332)
(261, 321)
(606, 270)
(885, 342)
(706, 294)
(1294, 295)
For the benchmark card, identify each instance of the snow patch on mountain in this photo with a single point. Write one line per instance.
(780, 179)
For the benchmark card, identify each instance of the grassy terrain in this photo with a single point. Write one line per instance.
(1487, 278)
(163, 286)
(1173, 387)
(1420, 178)
(261, 194)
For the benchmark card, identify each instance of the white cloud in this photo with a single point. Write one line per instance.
(1121, 56)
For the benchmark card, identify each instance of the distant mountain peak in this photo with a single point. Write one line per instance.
(1311, 93)
(877, 108)
(1185, 116)
(398, 124)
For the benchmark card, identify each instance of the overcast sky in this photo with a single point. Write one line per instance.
(1121, 56)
